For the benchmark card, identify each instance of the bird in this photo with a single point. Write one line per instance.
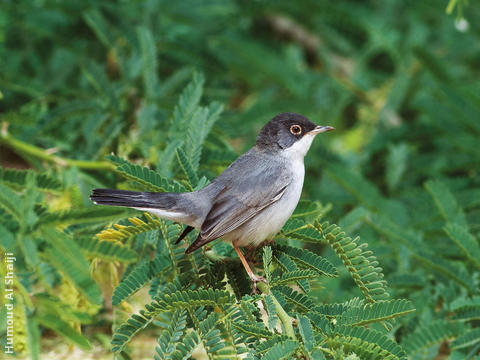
(249, 202)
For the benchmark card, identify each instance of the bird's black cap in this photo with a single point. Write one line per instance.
(281, 132)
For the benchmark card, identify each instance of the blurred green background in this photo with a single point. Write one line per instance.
(399, 80)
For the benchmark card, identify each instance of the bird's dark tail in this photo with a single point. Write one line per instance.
(134, 199)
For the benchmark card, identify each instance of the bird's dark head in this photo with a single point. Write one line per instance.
(288, 129)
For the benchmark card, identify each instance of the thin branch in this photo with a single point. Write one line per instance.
(24, 148)
(282, 314)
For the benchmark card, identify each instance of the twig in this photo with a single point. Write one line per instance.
(39, 153)
(282, 314)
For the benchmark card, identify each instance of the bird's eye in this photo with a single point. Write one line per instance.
(296, 129)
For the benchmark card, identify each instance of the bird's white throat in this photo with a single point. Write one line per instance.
(300, 148)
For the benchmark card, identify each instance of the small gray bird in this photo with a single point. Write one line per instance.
(246, 204)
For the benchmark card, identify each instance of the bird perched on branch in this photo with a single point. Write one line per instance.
(246, 204)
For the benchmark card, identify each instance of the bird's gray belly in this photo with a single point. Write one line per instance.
(270, 220)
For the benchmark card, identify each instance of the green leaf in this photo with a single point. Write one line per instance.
(186, 107)
(122, 232)
(281, 350)
(366, 193)
(149, 61)
(191, 298)
(18, 178)
(29, 249)
(429, 334)
(289, 265)
(301, 301)
(360, 262)
(267, 261)
(307, 259)
(366, 343)
(451, 269)
(306, 332)
(295, 276)
(9, 200)
(467, 313)
(257, 331)
(446, 202)
(149, 179)
(64, 329)
(67, 257)
(376, 312)
(97, 23)
(186, 347)
(33, 338)
(105, 249)
(81, 216)
(187, 168)
(129, 329)
(172, 335)
(465, 241)
(466, 339)
(198, 129)
(138, 278)
(396, 164)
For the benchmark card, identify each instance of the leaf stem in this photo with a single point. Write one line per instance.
(281, 313)
(39, 153)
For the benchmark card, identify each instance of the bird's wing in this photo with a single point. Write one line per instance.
(240, 200)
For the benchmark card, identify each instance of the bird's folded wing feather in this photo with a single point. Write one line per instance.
(229, 212)
(239, 201)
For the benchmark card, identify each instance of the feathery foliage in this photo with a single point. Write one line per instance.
(163, 96)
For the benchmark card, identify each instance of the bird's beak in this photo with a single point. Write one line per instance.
(321, 129)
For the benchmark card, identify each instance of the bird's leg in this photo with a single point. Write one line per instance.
(250, 273)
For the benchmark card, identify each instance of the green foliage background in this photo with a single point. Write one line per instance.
(182, 88)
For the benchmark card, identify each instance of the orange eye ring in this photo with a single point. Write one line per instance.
(296, 129)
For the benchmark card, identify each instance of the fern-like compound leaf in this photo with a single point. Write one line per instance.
(360, 262)
(366, 343)
(306, 332)
(467, 313)
(331, 310)
(186, 347)
(264, 346)
(63, 328)
(289, 265)
(281, 350)
(257, 330)
(190, 298)
(106, 249)
(295, 276)
(149, 179)
(267, 261)
(466, 339)
(170, 336)
(67, 257)
(17, 178)
(446, 202)
(187, 169)
(307, 259)
(465, 241)
(122, 232)
(138, 278)
(129, 329)
(430, 334)
(298, 229)
(81, 216)
(303, 302)
(376, 312)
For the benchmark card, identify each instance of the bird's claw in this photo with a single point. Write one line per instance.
(255, 279)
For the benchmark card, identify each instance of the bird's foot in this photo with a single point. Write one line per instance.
(255, 279)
